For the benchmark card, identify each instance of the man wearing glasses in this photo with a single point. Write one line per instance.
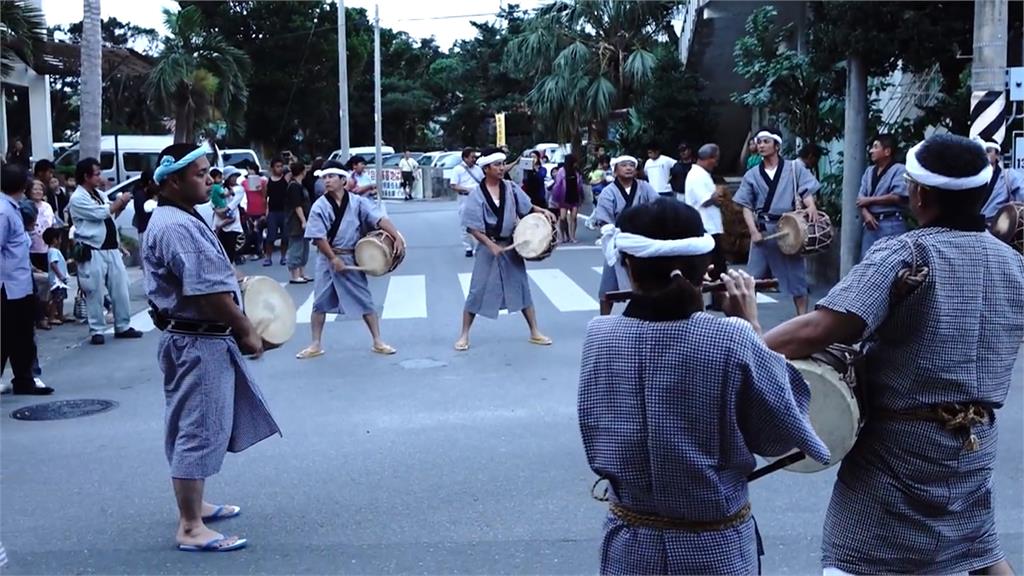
(98, 252)
(937, 312)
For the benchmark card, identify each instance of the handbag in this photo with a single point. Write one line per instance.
(81, 311)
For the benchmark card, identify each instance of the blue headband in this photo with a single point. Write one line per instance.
(169, 166)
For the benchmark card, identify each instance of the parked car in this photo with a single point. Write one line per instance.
(124, 157)
(124, 219)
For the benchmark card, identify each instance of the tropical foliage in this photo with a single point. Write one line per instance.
(22, 30)
(586, 59)
(199, 75)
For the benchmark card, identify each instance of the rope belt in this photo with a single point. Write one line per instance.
(343, 250)
(954, 417)
(637, 519)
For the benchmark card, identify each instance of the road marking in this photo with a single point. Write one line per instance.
(565, 294)
(464, 280)
(598, 269)
(304, 311)
(141, 321)
(406, 297)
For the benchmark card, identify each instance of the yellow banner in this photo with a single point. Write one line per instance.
(499, 125)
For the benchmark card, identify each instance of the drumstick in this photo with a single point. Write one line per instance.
(512, 246)
(774, 236)
(712, 287)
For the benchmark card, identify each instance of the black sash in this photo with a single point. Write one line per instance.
(992, 184)
(339, 213)
(498, 210)
(876, 178)
(630, 196)
(773, 183)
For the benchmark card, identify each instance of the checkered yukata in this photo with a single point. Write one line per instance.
(671, 414)
(909, 497)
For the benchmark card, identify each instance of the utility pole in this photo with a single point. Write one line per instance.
(376, 99)
(343, 81)
(988, 70)
(855, 135)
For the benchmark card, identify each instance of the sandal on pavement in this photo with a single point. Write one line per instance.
(462, 346)
(223, 512)
(383, 349)
(541, 341)
(221, 544)
(309, 353)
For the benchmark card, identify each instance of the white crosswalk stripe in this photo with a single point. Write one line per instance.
(565, 294)
(406, 297)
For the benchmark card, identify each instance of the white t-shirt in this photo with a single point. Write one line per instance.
(658, 173)
(408, 165)
(469, 178)
(699, 189)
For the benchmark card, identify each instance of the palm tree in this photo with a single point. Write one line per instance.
(22, 32)
(585, 56)
(199, 76)
(91, 108)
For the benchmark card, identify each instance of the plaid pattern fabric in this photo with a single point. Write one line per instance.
(671, 414)
(908, 497)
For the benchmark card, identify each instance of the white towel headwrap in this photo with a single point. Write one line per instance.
(931, 179)
(615, 241)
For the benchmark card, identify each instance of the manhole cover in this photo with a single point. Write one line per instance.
(63, 409)
(421, 363)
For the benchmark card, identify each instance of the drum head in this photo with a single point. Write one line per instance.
(534, 237)
(1008, 225)
(795, 228)
(373, 255)
(270, 309)
(834, 413)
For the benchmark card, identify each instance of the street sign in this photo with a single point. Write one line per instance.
(499, 125)
(1016, 84)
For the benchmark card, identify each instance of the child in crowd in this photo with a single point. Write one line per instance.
(58, 275)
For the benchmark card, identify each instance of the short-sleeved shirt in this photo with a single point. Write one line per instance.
(277, 194)
(659, 173)
(15, 271)
(360, 215)
(182, 258)
(889, 181)
(298, 197)
(255, 204)
(54, 255)
(699, 189)
(217, 196)
(465, 177)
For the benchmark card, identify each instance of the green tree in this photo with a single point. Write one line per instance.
(585, 58)
(199, 75)
(22, 32)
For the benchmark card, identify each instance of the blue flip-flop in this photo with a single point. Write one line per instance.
(221, 513)
(214, 546)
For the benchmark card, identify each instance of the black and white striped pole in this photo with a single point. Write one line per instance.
(988, 70)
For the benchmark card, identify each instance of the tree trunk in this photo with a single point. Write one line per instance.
(91, 77)
(854, 142)
(181, 123)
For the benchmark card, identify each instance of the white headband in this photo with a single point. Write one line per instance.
(168, 165)
(490, 159)
(767, 134)
(624, 158)
(330, 171)
(615, 241)
(928, 178)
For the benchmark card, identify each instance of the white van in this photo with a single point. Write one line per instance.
(124, 157)
(365, 151)
(238, 156)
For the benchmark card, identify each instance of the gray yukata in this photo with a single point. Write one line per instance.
(611, 203)
(672, 413)
(498, 282)
(348, 292)
(909, 498)
(213, 404)
(1005, 186)
(890, 218)
(792, 179)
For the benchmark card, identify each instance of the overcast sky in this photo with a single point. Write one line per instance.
(446, 20)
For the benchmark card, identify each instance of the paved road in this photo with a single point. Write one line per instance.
(429, 461)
